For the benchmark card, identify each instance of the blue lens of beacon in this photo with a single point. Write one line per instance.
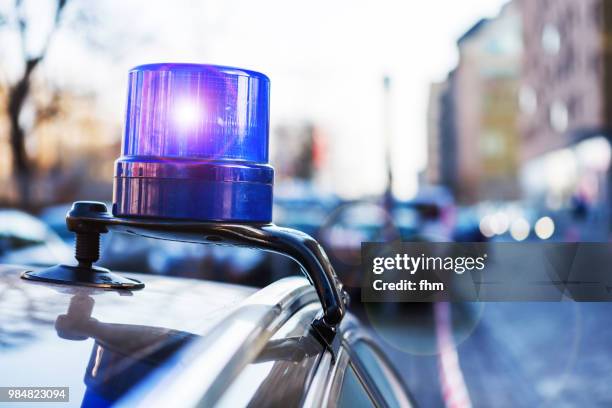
(195, 145)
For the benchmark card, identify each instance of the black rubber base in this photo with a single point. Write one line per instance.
(73, 275)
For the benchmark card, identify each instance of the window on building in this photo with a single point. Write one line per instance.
(528, 100)
(551, 39)
(559, 116)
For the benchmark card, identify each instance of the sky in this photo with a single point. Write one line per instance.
(326, 61)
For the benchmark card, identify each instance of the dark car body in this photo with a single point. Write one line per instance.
(185, 342)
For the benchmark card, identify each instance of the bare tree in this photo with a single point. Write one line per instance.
(18, 94)
(92, 23)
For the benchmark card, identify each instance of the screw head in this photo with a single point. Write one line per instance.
(87, 208)
(81, 210)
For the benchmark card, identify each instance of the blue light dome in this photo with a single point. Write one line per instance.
(195, 145)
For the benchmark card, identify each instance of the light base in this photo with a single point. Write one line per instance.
(82, 276)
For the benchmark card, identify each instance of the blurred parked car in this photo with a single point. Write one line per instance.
(55, 217)
(429, 217)
(467, 226)
(300, 206)
(26, 240)
(130, 253)
(436, 213)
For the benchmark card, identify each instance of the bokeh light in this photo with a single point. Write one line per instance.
(487, 227)
(519, 230)
(501, 224)
(544, 228)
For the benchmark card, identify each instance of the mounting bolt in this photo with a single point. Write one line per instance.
(87, 248)
(87, 245)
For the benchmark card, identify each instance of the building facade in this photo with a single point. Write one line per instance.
(484, 95)
(565, 88)
(566, 107)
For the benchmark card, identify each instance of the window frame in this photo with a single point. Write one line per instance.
(331, 378)
(324, 390)
(397, 384)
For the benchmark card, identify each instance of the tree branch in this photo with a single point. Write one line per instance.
(61, 4)
(19, 92)
(22, 26)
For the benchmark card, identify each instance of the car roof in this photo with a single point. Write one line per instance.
(47, 330)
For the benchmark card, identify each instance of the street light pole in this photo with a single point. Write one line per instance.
(388, 195)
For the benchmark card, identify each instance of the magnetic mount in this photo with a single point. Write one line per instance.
(87, 251)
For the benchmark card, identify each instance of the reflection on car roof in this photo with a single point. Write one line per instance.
(93, 340)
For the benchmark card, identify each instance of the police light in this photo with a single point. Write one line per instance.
(194, 168)
(195, 145)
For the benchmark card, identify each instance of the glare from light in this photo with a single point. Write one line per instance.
(186, 114)
(519, 230)
(501, 224)
(544, 228)
(486, 226)
(595, 153)
(561, 170)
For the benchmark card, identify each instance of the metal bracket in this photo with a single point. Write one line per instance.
(90, 219)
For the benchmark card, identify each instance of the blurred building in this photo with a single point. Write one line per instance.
(433, 173)
(566, 106)
(566, 91)
(298, 151)
(484, 97)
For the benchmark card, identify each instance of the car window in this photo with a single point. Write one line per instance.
(378, 371)
(353, 393)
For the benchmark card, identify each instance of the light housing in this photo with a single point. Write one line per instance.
(195, 145)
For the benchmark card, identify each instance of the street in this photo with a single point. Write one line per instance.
(510, 354)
